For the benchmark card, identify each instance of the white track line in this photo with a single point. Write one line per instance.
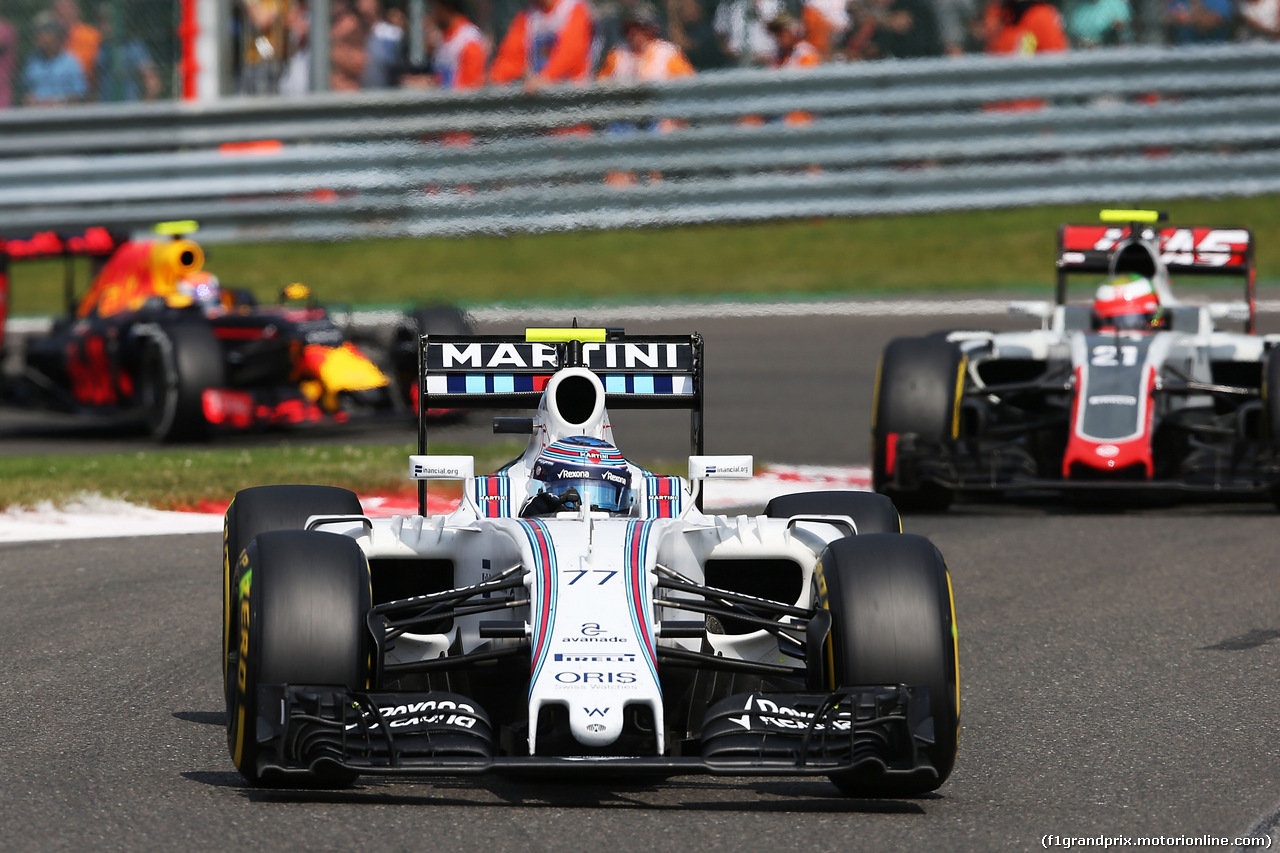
(93, 517)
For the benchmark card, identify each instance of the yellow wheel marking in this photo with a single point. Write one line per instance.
(239, 753)
(955, 414)
(955, 651)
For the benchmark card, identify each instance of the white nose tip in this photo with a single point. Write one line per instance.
(595, 724)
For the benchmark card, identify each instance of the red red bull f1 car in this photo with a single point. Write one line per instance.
(1137, 390)
(157, 338)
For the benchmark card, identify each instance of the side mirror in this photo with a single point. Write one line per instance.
(721, 468)
(442, 467)
(1037, 308)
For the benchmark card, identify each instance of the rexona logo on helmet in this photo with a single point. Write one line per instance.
(594, 468)
(1127, 302)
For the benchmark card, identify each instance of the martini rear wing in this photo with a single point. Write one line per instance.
(1188, 251)
(512, 371)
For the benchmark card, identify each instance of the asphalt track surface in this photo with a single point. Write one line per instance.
(1119, 669)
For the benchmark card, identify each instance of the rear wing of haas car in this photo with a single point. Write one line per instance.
(512, 371)
(1183, 251)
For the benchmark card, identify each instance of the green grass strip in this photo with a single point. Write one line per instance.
(866, 256)
(192, 478)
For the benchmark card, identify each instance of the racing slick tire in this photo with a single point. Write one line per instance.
(871, 513)
(258, 510)
(441, 320)
(302, 599)
(918, 390)
(178, 362)
(424, 320)
(893, 622)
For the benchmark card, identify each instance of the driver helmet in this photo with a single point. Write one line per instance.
(1127, 302)
(594, 468)
(202, 288)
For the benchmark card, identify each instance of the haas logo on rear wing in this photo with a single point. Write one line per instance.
(509, 370)
(1196, 250)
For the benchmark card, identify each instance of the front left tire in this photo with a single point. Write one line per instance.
(893, 622)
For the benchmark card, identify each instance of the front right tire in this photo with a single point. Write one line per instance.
(301, 602)
(259, 510)
(893, 622)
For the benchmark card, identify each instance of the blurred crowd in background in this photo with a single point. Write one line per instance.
(61, 51)
(65, 51)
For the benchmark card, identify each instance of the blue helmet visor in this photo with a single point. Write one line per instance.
(597, 494)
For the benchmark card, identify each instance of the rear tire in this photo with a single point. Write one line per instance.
(425, 320)
(872, 513)
(893, 622)
(302, 599)
(259, 510)
(177, 365)
(918, 390)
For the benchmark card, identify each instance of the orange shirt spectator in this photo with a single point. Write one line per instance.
(1025, 27)
(645, 57)
(548, 42)
(461, 56)
(83, 40)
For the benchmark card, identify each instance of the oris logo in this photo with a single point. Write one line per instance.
(596, 677)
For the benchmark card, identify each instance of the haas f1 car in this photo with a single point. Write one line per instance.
(576, 613)
(157, 339)
(1136, 391)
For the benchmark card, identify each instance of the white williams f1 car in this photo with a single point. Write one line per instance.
(579, 614)
(1136, 391)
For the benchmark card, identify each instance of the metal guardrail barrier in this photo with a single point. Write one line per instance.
(874, 138)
